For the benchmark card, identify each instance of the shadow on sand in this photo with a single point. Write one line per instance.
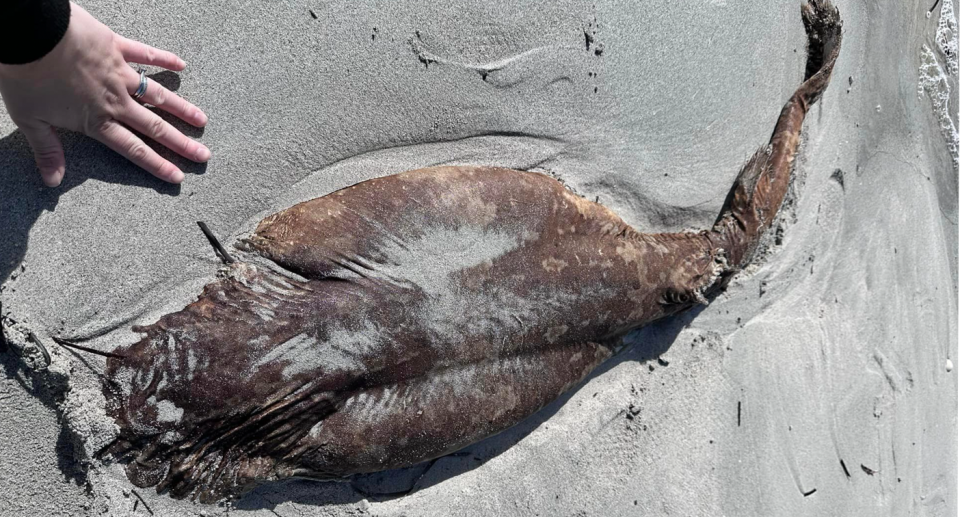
(24, 199)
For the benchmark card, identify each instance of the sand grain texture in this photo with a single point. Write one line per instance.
(834, 347)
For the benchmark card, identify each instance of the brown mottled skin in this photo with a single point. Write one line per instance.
(406, 317)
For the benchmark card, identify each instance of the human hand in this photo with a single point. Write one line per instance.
(85, 84)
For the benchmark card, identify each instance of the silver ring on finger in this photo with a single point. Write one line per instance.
(142, 87)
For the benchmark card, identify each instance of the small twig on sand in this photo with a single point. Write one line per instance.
(43, 349)
(217, 247)
(67, 344)
(142, 501)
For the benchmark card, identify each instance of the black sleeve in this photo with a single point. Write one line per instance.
(31, 28)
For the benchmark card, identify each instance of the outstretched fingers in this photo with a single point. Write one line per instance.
(151, 125)
(160, 97)
(137, 117)
(136, 52)
(124, 142)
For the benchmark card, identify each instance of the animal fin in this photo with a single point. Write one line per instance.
(450, 408)
(757, 194)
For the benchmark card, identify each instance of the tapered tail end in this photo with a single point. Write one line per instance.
(756, 196)
(824, 34)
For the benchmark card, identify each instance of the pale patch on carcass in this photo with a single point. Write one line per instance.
(265, 313)
(447, 389)
(344, 346)
(554, 333)
(292, 352)
(337, 353)
(438, 253)
(553, 265)
(171, 438)
(278, 285)
(191, 364)
(259, 341)
(470, 207)
(630, 253)
(528, 235)
(168, 411)
(124, 379)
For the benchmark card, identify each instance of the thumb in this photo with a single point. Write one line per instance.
(48, 153)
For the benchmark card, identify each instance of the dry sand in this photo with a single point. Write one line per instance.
(819, 384)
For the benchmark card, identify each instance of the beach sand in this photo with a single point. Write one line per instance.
(822, 382)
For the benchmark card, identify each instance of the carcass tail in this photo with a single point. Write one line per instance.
(759, 190)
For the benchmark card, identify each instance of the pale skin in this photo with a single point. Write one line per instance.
(85, 84)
